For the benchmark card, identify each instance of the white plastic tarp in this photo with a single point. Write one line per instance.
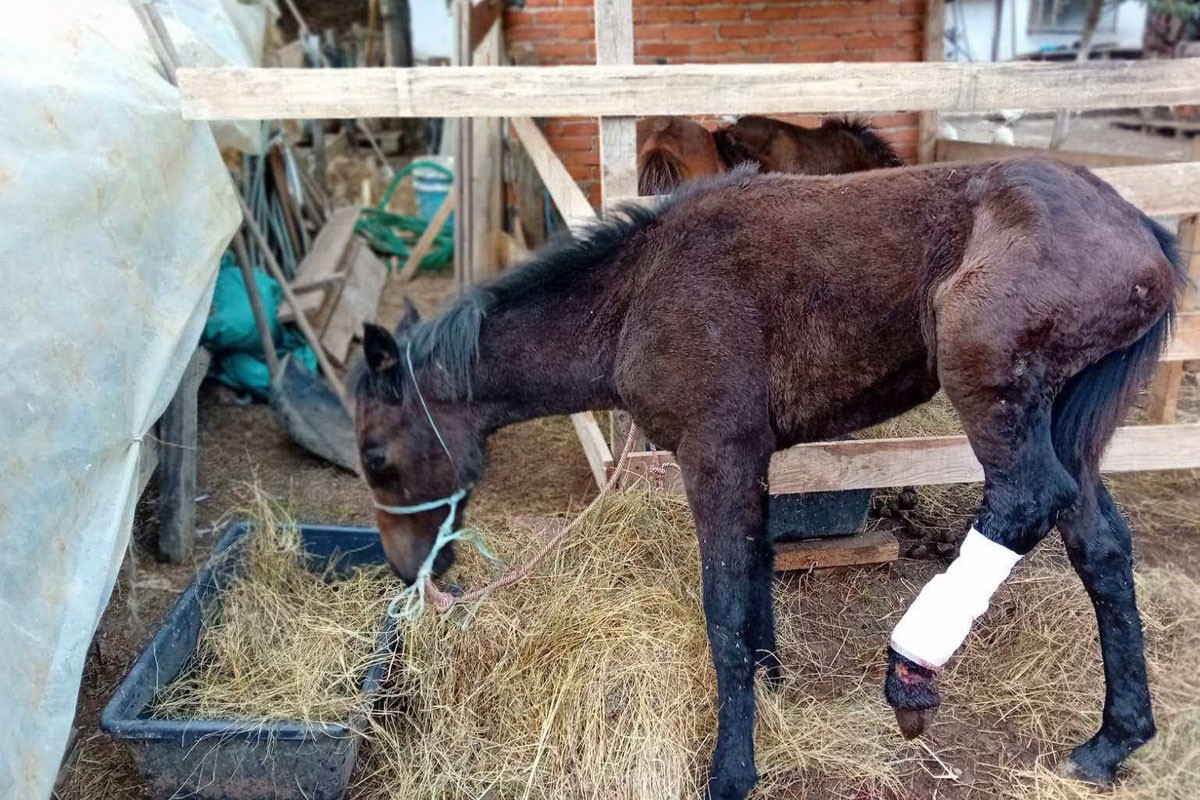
(113, 216)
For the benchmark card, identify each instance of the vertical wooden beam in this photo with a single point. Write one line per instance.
(1164, 389)
(462, 155)
(618, 135)
(935, 50)
(618, 146)
(177, 464)
(487, 212)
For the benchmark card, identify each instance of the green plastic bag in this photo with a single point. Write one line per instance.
(248, 372)
(231, 324)
(231, 332)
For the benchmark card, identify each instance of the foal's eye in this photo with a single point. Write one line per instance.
(374, 459)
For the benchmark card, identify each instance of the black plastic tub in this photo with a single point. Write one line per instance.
(229, 760)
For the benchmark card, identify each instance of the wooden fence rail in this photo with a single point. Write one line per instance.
(626, 90)
(623, 90)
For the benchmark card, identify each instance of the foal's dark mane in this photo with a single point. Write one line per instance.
(451, 339)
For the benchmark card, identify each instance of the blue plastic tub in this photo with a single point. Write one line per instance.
(431, 185)
(224, 760)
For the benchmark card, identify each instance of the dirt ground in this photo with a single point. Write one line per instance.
(538, 468)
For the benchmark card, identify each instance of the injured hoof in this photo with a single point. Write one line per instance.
(913, 723)
(912, 691)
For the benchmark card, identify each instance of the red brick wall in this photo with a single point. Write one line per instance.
(688, 31)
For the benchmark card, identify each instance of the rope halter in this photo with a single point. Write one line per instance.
(408, 603)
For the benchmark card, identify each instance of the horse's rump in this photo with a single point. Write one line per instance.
(854, 282)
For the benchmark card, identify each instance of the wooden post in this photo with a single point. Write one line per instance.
(935, 50)
(487, 210)
(177, 465)
(618, 147)
(463, 258)
(1164, 389)
(428, 236)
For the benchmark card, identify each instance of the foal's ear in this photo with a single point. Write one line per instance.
(379, 348)
(409, 318)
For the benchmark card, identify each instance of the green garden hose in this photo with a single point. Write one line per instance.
(389, 232)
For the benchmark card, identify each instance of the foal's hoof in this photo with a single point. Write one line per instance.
(730, 787)
(913, 723)
(1092, 762)
(1088, 773)
(912, 691)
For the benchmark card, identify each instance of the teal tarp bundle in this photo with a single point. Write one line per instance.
(232, 335)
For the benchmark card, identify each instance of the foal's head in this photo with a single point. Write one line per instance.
(418, 438)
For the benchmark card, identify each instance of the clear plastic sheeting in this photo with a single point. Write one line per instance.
(221, 33)
(113, 216)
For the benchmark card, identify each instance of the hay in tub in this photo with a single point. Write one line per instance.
(284, 643)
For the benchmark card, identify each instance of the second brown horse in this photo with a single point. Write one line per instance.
(672, 150)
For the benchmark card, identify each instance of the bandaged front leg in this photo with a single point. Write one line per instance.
(936, 625)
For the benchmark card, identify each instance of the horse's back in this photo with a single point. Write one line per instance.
(836, 293)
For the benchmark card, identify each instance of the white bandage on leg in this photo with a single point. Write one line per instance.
(938, 621)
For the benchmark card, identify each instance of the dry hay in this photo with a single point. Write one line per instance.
(1034, 665)
(934, 418)
(592, 679)
(285, 643)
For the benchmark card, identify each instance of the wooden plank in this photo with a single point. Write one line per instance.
(871, 547)
(482, 17)
(1161, 191)
(618, 135)
(177, 464)
(302, 287)
(935, 51)
(357, 304)
(1186, 344)
(599, 457)
(1163, 404)
(428, 236)
(486, 213)
(1164, 389)
(953, 150)
(566, 194)
(865, 464)
(462, 151)
(323, 260)
(649, 89)
(618, 151)
(918, 461)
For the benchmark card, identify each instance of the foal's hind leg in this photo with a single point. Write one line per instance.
(1025, 489)
(1100, 546)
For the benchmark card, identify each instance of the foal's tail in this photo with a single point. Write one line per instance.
(661, 172)
(1090, 406)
